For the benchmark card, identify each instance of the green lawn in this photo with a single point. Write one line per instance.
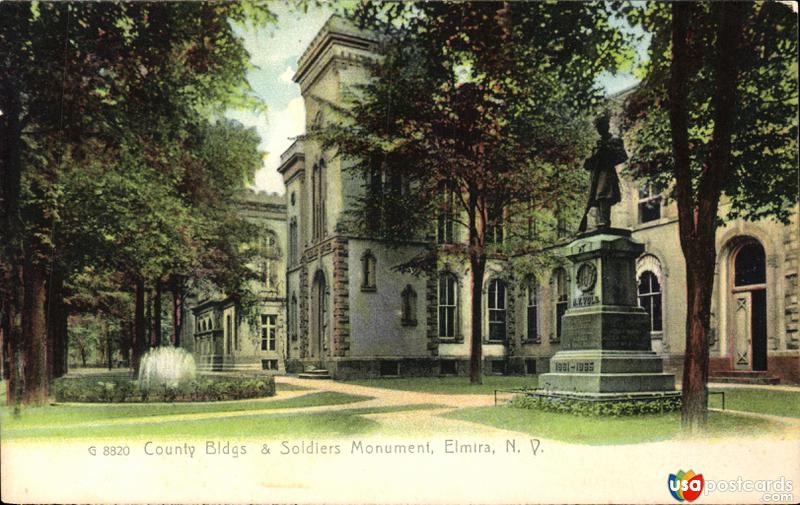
(63, 414)
(605, 430)
(451, 385)
(349, 421)
(761, 400)
(266, 426)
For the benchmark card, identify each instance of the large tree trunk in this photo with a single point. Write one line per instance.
(156, 342)
(57, 321)
(10, 179)
(177, 313)
(477, 260)
(697, 215)
(699, 285)
(139, 329)
(477, 269)
(34, 331)
(108, 346)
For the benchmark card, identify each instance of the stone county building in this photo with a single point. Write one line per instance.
(350, 312)
(218, 332)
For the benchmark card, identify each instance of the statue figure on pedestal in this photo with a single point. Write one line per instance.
(604, 191)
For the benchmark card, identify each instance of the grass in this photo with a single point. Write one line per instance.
(62, 414)
(761, 400)
(265, 426)
(451, 385)
(606, 430)
(328, 424)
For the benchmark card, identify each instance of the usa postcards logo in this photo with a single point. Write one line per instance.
(685, 486)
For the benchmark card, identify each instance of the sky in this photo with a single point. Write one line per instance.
(274, 52)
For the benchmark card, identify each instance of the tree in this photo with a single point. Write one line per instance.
(480, 107)
(716, 114)
(127, 72)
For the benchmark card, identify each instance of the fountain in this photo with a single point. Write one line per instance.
(166, 366)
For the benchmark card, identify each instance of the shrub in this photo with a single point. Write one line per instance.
(87, 389)
(616, 408)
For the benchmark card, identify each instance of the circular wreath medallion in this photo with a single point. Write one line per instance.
(587, 277)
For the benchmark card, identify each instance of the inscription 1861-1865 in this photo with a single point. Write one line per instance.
(575, 366)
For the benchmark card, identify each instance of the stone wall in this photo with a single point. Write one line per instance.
(340, 298)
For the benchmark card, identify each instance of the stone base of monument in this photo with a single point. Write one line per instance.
(599, 371)
(605, 344)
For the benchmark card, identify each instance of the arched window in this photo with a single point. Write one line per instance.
(409, 308)
(749, 265)
(497, 309)
(560, 298)
(447, 305)
(318, 200)
(368, 271)
(650, 298)
(532, 309)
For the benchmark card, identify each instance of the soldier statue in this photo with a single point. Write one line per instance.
(604, 192)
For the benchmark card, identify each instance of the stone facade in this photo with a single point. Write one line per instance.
(357, 327)
(219, 333)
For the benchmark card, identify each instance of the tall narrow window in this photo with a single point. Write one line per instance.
(447, 305)
(497, 310)
(293, 323)
(532, 309)
(561, 301)
(494, 226)
(650, 298)
(409, 306)
(318, 200)
(368, 271)
(269, 331)
(293, 244)
(444, 224)
(649, 202)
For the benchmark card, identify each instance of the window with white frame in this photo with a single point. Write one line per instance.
(649, 202)
(269, 332)
(497, 309)
(447, 305)
(532, 308)
(650, 298)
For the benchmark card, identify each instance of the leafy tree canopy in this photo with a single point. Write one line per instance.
(763, 175)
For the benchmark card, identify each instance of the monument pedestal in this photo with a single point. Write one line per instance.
(605, 337)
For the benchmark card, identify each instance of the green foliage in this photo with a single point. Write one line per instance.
(590, 408)
(484, 101)
(112, 119)
(763, 177)
(121, 390)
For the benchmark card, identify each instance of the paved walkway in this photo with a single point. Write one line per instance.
(411, 420)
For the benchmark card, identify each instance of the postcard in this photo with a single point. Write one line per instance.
(399, 252)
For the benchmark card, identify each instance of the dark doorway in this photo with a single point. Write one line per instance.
(750, 278)
(758, 329)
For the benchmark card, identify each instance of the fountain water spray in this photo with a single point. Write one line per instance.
(168, 366)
